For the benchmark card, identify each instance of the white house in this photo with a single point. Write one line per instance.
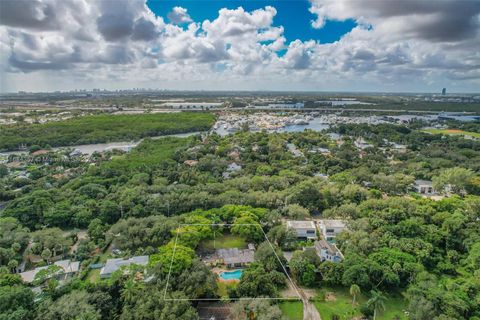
(424, 187)
(328, 251)
(303, 229)
(113, 265)
(232, 168)
(330, 228)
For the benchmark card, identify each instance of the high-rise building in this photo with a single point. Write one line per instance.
(444, 91)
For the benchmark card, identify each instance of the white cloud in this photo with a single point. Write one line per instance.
(100, 43)
(179, 15)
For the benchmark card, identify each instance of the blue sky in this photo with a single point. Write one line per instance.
(419, 45)
(293, 15)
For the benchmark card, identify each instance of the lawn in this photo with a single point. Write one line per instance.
(93, 276)
(223, 288)
(225, 241)
(293, 310)
(341, 305)
(453, 132)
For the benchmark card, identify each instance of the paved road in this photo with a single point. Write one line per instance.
(309, 310)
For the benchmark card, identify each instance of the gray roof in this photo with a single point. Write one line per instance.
(67, 266)
(301, 224)
(423, 183)
(113, 265)
(330, 248)
(232, 256)
(332, 223)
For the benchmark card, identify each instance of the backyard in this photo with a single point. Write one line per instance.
(225, 241)
(223, 288)
(293, 310)
(338, 301)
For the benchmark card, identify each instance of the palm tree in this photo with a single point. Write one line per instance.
(377, 300)
(130, 290)
(354, 291)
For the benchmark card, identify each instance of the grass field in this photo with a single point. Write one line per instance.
(293, 310)
(341, 305)
(453, 132)
(223, 288)
(93, 276)
(102, 128)
(226, 241)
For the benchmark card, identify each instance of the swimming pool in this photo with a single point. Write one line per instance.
(231, 275)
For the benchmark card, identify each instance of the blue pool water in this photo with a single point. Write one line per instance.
(231, 275)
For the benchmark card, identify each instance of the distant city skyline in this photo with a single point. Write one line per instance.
(417, 46)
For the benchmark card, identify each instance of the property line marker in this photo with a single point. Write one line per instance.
(230, 299)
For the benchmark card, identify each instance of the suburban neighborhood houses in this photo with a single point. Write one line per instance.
(324, 241)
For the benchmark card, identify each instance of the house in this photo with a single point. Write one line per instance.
(235, 257)
(424, 187)
(400, 148)
(214, 310)
(330, 228)
(67, 270)
(361, 144)
(321, 175)
(303, 229)
(328, 251)
(294, 150)
(322, 151)
(113, 265)
(232, 167)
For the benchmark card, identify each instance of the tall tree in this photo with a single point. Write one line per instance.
(377, 301)
(354, 292)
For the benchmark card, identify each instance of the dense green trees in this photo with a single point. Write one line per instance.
(456, 179)
(52, 239)
(150, 304)
(16, 302)
(258, 281)
(283, 237)
(396, 240)
(303, 266)
(13, 240)
(103, 128)
(173, 258)
(259, 309)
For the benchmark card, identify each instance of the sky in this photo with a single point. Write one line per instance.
(294, 45)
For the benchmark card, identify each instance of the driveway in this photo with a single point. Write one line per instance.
(309, 310)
